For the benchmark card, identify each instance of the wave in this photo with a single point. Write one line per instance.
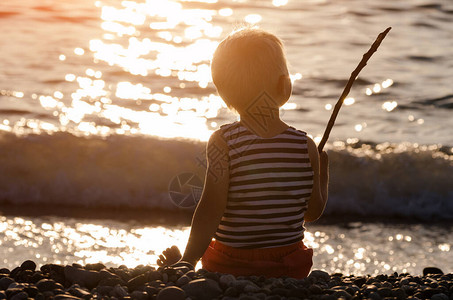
(379, 180)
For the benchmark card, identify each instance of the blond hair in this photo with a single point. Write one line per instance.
(247, 63)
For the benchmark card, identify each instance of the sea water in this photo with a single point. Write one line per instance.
(106, 103)
(353, 248)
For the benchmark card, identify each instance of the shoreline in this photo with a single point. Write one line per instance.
(96, 281)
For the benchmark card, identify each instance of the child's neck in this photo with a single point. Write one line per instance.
(265, 126)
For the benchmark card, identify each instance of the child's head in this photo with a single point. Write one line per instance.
(247, 63)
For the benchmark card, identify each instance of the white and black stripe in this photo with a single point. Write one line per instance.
(271, 180)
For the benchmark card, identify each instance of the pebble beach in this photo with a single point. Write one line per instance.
(96, 281)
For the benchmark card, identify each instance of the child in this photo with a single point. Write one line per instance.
(264, 178)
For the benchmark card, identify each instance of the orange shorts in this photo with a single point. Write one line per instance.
(294, 260)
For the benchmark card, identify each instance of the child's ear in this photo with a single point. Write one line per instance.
(284, 87)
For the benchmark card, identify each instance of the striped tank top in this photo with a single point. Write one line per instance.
(271, 180)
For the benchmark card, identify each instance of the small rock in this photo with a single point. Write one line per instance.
(342, 294)
(432, 270)
(87, 278)
(65, 297)
(204, 289)
(440, 296)
(320, 275)
(120, 291)
(360, 281)
(78, 292)
(95, 267)
(45, 285)
(139, 295)
(315, 289)
(384, 292)
(112, 281)
(151, 290)
(2, 295)
(399, 293)
(328, 297)
(248, 297)
(231, 292)
(4, 271)
(20, 296)
(154, 275)
(171, 293)
(251, 288)
(374, 296)
(280, 291)
(31, 290)
(183, 280)
(28, 265)
(104, 290)
(226, 280)
(5, 282)
(137, 282)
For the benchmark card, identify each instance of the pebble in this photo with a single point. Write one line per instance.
(53, 281)
(28, 265)
(171, 293)
(203, 289)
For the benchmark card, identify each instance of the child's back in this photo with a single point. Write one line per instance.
(263, 179)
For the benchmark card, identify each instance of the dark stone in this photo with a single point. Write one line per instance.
(13, 291)
(151, 290)
(342, 294)
(137, 282)
(280, 291)
(45, 285)
(328, 297)
(248, 297)
(300, 293)
(440, 296)
(95, 267)
(122, 274)
(37, 276)
(52, 267)
(15, 272)
(204, 289)
(273, 297)
(20, 296)
(319, 275)
(78, 292)
(315, 289)
(360, 281)
(5, 271)
(2, 295)
(231, 292)
(31, 290)
(87, 278)
(213, 276)
(154, 275)
(112, 281)
(139, 295)
(374, 296)
(171, 293)
(384, 292)
(432, 270)
(429, 292)
(28, 265)
(119, 291)
(399, 294)
(104, 290)
(5, 282)
(65, 297)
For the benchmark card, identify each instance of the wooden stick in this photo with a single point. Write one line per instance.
(348, 86)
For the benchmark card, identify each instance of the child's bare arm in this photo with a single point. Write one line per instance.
(213, 200)
(320, 165)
